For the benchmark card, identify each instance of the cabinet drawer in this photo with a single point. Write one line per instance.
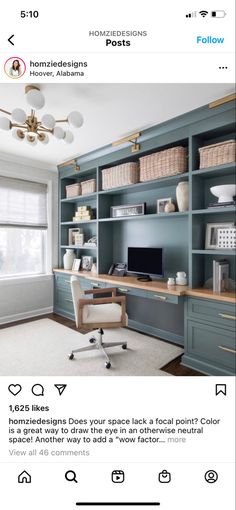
(62, 281)
(222, 314)
(163, 298)
(130, 291)
(63, 300)
(211, 343)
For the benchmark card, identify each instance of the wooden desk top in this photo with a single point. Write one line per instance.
(154, 286)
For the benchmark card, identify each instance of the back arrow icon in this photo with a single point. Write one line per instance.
(10, 40)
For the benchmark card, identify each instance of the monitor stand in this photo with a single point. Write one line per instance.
(144, 278)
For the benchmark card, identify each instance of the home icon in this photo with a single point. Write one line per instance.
(24, 477)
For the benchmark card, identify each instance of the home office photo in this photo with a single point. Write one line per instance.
(117, 229)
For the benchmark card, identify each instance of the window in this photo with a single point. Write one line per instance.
(23, 227)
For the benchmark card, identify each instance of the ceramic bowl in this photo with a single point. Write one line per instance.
(224, 193)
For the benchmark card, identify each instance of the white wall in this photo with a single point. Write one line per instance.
(30, 296)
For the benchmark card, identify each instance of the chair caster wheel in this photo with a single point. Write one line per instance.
(92, 340)
(71, 356)
(108, 364)
(124, 346)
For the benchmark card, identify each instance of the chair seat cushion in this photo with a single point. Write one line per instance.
(110, 312)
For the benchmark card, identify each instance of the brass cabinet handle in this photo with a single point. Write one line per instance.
(226, 316)
(67, 281)
(161, 298)
(96, 285)
(227, 349)
(70, 300)
(121, 289)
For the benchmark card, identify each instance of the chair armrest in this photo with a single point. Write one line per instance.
(110, 290)
(102, 301)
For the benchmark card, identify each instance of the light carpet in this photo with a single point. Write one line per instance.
(41, 347)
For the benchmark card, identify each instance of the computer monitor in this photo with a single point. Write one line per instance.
(146, 262)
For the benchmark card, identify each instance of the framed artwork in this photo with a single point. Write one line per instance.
(161, 203)
(211, 239)
(87, 263)
(76, 265)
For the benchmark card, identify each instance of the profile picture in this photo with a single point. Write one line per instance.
(14, 67)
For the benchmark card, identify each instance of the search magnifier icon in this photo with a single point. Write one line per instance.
(70, 476)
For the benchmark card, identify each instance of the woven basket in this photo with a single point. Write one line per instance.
(88, 186)
(163, 164)
(217, 154)
(73, 190)
(120, 175)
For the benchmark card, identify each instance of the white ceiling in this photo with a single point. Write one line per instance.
(110, 112)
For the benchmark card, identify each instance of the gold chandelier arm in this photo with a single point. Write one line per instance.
(44, 130)
(62, 120)
(5, 111)
(19, 126)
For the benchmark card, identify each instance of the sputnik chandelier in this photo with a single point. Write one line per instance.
(30, 128)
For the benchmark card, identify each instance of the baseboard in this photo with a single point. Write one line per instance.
(159, 333)
(25, 315)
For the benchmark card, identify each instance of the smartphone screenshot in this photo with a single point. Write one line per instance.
(117, 255)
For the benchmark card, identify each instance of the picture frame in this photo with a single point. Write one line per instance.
(211, 237)
(76, 265)
(87, 263)
(161, 203)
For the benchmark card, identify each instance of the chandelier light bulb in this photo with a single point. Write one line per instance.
(69, 137)
(31, 140)
(18, 115)
(35, 99)
(59, 133)
(48, 121)
(43, 138)
(75, 119)
(18, 134)
(5, 123)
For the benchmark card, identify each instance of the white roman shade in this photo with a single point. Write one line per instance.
(23, 203)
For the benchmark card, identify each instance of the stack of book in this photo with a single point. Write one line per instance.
(83, 213)
(223, 204)
(220, 275)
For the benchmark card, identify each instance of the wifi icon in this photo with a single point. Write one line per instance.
(203, 13)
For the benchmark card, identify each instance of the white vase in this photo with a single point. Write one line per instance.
(68, 259)
(182, 195)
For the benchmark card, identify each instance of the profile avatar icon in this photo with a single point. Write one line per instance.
(15, 67)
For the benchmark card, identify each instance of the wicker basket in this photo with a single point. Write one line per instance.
(73, 190)
(120, 175)
(217, 154)
(163, 164)
(88, 186)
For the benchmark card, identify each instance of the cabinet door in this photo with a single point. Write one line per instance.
(211, 343)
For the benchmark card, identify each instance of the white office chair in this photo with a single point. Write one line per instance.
(98, 313)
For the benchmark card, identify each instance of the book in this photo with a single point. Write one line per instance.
(220, 275)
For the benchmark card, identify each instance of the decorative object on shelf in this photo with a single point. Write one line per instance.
(79, 239)
(73, 190)
(83, 213)
(217, 154)
(211, 239)
(220, 275)
(91, 243)
(30, 128)
(181, 278)
(182, 196)
(171, 281)
(225, 193)
(88, 186)
(68, 259)
(163, 164)
(170, 207)
(128, 210)
(87, 263)
(71, 235)
(226, 238)
(120, 175)
(161, 203)
(76, 265)
(94, 268)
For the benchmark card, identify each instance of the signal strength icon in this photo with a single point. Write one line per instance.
(191, 14)
(203, 13)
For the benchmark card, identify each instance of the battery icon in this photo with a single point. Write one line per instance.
(218, 14)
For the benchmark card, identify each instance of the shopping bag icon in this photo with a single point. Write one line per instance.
(164, 476)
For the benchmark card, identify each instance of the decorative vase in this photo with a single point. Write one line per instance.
(182, 195)
(68, 259)
(170, 207)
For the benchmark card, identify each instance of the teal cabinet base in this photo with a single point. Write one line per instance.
(204, 367)
(159, 333)
(64, 313)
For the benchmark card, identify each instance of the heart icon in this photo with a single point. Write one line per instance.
(14, 389)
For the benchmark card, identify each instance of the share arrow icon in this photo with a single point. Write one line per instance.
(60, 388)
